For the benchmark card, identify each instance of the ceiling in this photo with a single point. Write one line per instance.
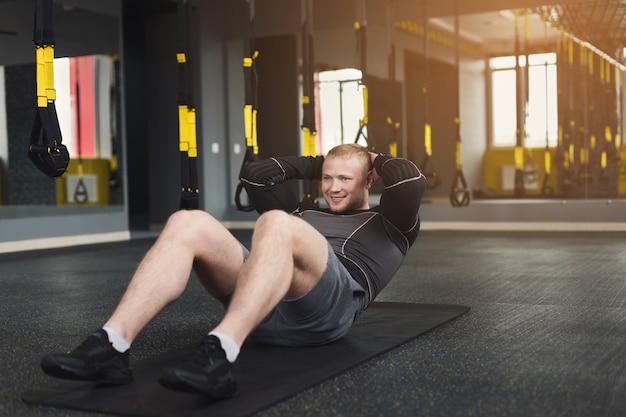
(490, 24)
(601, 23)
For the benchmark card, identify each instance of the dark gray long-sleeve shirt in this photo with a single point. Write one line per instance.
(371, 243)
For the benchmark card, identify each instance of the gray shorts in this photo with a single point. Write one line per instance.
(323, 315)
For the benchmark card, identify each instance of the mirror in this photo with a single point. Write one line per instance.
(86, 80)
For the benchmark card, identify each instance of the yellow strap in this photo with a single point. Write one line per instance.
(519, 157)
(547, 162)
(428, 140)
(365, 106)
(582, 53)
(255, 144)
(191, 133)
(114, 163)
(45, 75)
(306, 100)
(393, 149)
(592, 141)
(603, 160)
(308, 147)
(570, 51)
(459, 159)
(183, 129)
(249, 60)
(584, 156)
(247, 119)
(602, 70)
(526, 26)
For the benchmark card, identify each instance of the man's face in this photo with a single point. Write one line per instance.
(344, 184)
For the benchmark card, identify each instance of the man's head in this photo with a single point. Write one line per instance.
(346, 178)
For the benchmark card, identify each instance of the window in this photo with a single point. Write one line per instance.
(541, 111)
(340, 106)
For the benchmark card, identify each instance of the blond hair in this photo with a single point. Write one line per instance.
(352, 150)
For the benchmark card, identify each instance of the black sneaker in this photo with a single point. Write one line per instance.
(94, 360)
(206, 372)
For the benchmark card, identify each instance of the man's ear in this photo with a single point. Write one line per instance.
(369, 180)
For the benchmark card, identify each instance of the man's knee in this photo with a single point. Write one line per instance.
(273, 221)
(187, 223)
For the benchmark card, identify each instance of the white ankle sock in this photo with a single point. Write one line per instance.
(119, 343)
(229, 346)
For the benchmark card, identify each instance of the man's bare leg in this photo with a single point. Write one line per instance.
(287, 259)
(189, 237)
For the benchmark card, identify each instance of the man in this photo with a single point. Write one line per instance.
(308, 275)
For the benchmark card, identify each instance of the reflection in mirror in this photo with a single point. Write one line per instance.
(88, 110)
(90, 31)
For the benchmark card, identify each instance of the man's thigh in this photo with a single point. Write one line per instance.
(321, 316)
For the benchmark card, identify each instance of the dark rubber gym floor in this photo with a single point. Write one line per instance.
(545, 336)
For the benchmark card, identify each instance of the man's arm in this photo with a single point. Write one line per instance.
(404, 185)
(265, 180)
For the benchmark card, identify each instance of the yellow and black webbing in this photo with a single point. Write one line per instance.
(249, 110)
(187, 140)
(459, 192)
(46, 150)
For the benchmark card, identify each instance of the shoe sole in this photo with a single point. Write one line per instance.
(111, 376)
(226, 387)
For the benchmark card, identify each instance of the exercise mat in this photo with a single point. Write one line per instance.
(265, 374)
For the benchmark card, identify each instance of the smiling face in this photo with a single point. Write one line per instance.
(346, 182)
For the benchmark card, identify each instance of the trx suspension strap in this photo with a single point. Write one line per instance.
(609, 150)
(433, 180)
(46, 150)
(567, 133)
(187, 140)
(360, 25)
(519, 190)
(620, 143)
(309, 129)
(546, 184)
(114, 177)
(530, 169)
(459, 193)
(249, 109)
(583, 175)
(394, 125)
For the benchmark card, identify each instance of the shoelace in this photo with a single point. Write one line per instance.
(206, 352)
(90, 345)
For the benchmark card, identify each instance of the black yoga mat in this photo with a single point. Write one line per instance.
(265, 374)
